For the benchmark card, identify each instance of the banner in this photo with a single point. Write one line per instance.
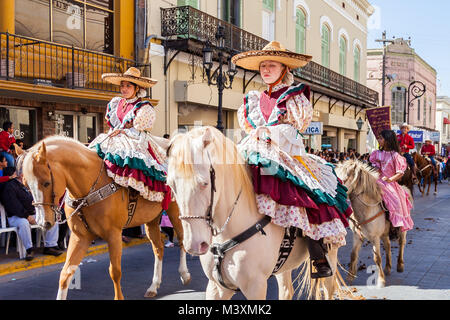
(418, 136)
(379, 119)
(314, 128)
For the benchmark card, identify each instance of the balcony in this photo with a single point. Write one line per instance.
(45, 63)
(187, 29)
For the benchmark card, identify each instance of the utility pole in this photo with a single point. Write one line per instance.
(383, 80)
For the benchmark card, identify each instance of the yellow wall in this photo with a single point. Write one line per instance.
(7, 16)
(124, 28)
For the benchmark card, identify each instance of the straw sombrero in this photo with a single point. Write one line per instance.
(274, 51)
(132, 75)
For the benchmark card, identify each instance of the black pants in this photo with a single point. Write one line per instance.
(169, 232)
(316, 249)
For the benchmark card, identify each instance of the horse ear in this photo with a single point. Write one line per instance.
(19, 150)
(207, 137)
(41, 155)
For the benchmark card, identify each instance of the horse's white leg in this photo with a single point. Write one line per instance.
(330, 282)
(357, 242)
(215, 292)
(183, 269)
(387, 249)
(378, 261)
(75, 252)
(255, 287)
(402, 243)
(154, 235)
(285, 286)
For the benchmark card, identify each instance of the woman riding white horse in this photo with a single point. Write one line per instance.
(133, 157)
(294, 188)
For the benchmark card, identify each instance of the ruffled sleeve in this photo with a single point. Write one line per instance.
(374, 159)
(299, 112)
(400, 163)
(145, 118)
(111, 113)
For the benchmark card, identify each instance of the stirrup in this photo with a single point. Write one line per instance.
(317, 275)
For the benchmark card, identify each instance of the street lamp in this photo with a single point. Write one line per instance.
(359, 123)
(417, 89)
(222, 79)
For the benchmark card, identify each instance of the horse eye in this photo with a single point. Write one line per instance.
(46, 184)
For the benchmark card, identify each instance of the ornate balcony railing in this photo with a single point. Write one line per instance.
(41, 62)
(189, 23)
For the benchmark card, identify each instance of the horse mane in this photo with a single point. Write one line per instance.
(223, 151)
(360, 178)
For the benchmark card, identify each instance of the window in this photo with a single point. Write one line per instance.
(268, 20)
(231, 11)
(424, 111)
(342, 56)
(25, 123)
(418, 109)
(84, 24)
(325, 46)
(430, 113)
(192, 3)
(398, 104)
(300, 32)
(82, 127)
(357, 63)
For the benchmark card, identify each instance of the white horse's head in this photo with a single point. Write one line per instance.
(201, 161)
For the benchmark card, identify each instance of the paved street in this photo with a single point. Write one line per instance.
(426, 275)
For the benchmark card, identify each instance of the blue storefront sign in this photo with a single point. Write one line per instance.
(315, 128)
(416, 135)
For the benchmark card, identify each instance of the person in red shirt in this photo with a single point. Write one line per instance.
(429, 151)
(3, 176)
(6, 140)
(406, 143)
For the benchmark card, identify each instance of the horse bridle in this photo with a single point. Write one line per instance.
(208, 216)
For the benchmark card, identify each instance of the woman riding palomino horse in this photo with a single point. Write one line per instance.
(294, 188)
(133, 157)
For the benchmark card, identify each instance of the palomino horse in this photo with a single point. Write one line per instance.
(426, 171)
(371, 223)
(217, 204)
(56, 164)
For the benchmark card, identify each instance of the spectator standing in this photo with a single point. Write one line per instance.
(167, 228)
(6, 141)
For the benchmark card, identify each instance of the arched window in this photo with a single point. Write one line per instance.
(342, 55)
(418, 109)
(192, 3)
(300, 31)
(424, 110)
(325, 46)
(398, 104)
(357, 63)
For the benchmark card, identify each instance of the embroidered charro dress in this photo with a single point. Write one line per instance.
(293, 187)
(134, 159)
(395, 198)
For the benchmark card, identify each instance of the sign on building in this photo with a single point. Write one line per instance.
(416, 135)
(315, 128)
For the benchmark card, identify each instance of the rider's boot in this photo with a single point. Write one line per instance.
(319, 257)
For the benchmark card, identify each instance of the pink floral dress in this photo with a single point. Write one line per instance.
(395, 198)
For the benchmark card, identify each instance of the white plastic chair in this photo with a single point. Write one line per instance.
(4, 229)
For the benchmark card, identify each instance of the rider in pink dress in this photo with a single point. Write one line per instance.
(392, 166)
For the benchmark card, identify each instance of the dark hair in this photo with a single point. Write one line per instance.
(2, 157)
(390, 141)
(7, 125)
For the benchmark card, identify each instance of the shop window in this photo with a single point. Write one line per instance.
(24, 121)
(84, 24)
(78, 126)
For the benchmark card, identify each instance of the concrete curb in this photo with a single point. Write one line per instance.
(43, 261)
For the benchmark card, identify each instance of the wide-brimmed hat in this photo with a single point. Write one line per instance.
(273, 51)
(405, 125)
(131, 75)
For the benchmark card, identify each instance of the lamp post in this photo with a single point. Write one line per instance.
(223, 80)
(417, 89)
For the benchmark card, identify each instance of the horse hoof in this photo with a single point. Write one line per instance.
(185, 279)
(150, 294)
(381, 284)
(400, 268)
(387, 272)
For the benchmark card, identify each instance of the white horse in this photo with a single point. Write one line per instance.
(214, 192)
(371, 223)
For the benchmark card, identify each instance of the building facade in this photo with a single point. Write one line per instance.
(333, 32)
(443, 124)
(53, 53)
(403, 66)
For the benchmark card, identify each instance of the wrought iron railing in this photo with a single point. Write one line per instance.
(46, 63)
(189, 23)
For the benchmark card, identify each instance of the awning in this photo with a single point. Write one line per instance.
(446, 121)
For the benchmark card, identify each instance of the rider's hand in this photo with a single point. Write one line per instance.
(115, 133)
(31, 220)
(386, 179)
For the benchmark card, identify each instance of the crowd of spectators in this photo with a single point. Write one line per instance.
(334, 156)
